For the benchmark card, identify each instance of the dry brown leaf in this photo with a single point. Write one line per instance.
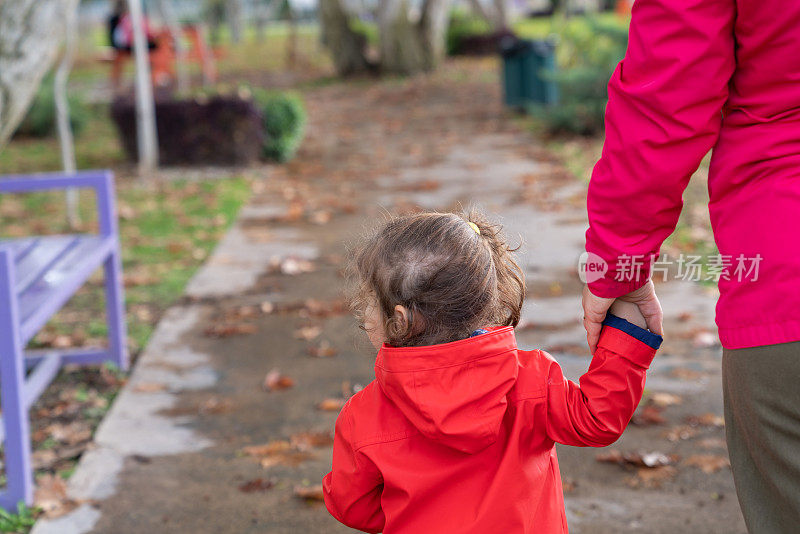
(309, 493)
(648, 459)
(274, 380)
(323, 350)
(215, 405)
(665, 399)
(681, 432)
(227, 330)
(331, 405)
(708, 463)
(308, 332)
(51, 496)
(652, 478)
(149, 387)
(291, 266)
(706, 419)
(257, 484)
(310, 440)
(648, 415)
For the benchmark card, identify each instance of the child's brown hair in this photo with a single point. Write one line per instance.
(451, 278)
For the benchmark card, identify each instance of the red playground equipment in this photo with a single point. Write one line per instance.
(163, 57)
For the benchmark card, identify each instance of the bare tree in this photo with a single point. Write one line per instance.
(347, 48)
(496, 13)
(145, 105)
(30, 34)
(411, 40)
(235, 15)
(70, 19)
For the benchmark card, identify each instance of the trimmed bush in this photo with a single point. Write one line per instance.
(284, 120)
(217, 130)
(588, 57)
(40, 120)
(463, 26)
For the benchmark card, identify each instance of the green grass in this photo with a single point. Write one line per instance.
(167, 230)
(20, 522)
(97, 146)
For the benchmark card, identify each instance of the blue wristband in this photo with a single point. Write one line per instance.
(643, 335)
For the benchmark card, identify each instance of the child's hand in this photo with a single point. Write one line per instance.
(628, 311)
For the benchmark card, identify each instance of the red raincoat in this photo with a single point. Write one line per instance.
(460, 437)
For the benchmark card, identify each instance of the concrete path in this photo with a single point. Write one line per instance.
(171, 455)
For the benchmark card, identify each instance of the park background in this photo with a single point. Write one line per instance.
(362, 109)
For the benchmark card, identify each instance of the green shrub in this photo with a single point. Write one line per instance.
(284, 118)
(461, 25)
(588, 55)
(41, 118)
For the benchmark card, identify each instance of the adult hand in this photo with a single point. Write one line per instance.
(595, 308)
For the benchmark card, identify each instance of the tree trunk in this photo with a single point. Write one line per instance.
(345, 45)
(30, 34)
(145, 105)
(409, 46)
(291, 44)
(62, 105)
(433, 25)
(402, 50)
(235, 16)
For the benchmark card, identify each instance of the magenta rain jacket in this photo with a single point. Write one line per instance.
(700, 74)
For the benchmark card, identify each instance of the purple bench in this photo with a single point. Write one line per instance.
(37, 277)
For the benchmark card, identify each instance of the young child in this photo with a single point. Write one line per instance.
(457, 432)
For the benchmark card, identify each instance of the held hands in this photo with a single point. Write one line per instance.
(640, 307)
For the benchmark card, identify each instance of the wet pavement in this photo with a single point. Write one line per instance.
(172, 454)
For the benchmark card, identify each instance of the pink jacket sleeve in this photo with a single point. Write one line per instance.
(663, 115)
(352, 490)
(596, 412)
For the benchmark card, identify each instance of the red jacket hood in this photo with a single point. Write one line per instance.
(453, 393)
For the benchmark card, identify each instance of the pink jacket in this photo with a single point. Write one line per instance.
(460, 437)
(700, 74)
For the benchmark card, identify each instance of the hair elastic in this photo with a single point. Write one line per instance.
(474, 227)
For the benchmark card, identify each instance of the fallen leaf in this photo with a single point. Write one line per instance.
(308, 332)
(652, 477)
(149, 387)
(227, 330)
(331, 405)
(278, 452)
(706, 419)
(708, 463)
(291, 266)
(276, 381)
(51, 496)
(309, 493)
(649, 459)
(681, 432)
(648, 415)
(257, 484)
(215, 405)
(310, 440)
(323, 350)
(665, 399)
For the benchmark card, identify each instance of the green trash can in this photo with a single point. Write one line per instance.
(526, 64)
